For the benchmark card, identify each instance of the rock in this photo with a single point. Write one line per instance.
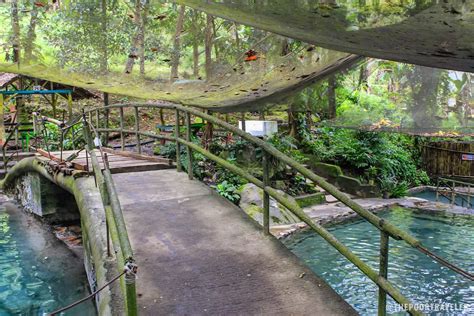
(251, 201)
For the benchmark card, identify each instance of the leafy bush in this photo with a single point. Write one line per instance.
(381, 157)
(229, 191)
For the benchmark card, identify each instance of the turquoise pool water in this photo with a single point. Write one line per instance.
(431, 196)
(38, 274)
(415, 275)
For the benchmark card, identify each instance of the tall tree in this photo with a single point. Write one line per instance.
(31, 34)
(16, 31)
(424, 83)
(208, 45)
(332, 106)
(137, 50)
(104, 58)
(177, 43)
(196, 37)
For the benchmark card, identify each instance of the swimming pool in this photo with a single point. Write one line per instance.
(413, 273)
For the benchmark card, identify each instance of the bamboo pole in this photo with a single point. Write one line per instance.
(189, 151)
(266, 197)
(122, 138)
(179, 168)
(107, 114)
(137, 129)
(383, 272)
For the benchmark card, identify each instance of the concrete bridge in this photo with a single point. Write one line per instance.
(197, 253)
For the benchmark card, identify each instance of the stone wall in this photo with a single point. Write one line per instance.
(39, 196)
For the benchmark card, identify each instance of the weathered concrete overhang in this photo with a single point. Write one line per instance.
(424, 32)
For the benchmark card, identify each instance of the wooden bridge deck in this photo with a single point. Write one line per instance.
(200, 254)
(119, 161)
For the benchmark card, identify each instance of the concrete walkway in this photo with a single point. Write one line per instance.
(199, 254)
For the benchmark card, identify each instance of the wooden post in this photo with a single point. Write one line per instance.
(383, 272)
(469, 196)
(189, 151)
(266, 197)
(437, 190)
(106, 113)
(453, 194)
(2, 120)
(137, 129)
(122, 138)
(69, 105)
(97, 119)
(243, 121)
(54, 99)
(179, 168)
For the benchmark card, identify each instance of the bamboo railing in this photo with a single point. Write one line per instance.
(387, 229)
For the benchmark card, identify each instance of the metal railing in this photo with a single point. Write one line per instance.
(387, 229)
(8, 157)
(452, 190)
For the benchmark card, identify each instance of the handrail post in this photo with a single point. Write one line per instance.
(97, 119)
(122, 138)
(5, 160)
(437, 189)
(179, 168)
(189, 151)
(469, 196)
(383, 272)
(137, 130)
(453, 194)
(266, 196)
(106, 113)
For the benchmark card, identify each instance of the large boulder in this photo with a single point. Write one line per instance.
(251, 201)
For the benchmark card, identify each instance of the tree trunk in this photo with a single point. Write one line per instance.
(16, 31)
(332, 84)
(237, 38)
(214, 31)
(177, 44)
(424, 84)
(292, 123)
(208, 46)
(31, 34)
(138, 42)
(104, 58)
(195, 44)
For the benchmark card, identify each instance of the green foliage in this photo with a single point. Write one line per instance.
(288, 146)
(229, 191)
(52, 137)
(389, 159)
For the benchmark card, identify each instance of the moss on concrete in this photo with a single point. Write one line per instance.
(93, 219)
(310, 199)
(326, 170)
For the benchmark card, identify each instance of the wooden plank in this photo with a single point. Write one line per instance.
(53, 157)
(137, 156)
(140, 168)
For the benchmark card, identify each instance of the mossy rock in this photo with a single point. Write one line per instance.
(310, 199)
(326, 170)
(251, 201)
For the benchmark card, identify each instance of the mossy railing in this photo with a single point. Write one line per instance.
(115, 223)
(387, 229)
